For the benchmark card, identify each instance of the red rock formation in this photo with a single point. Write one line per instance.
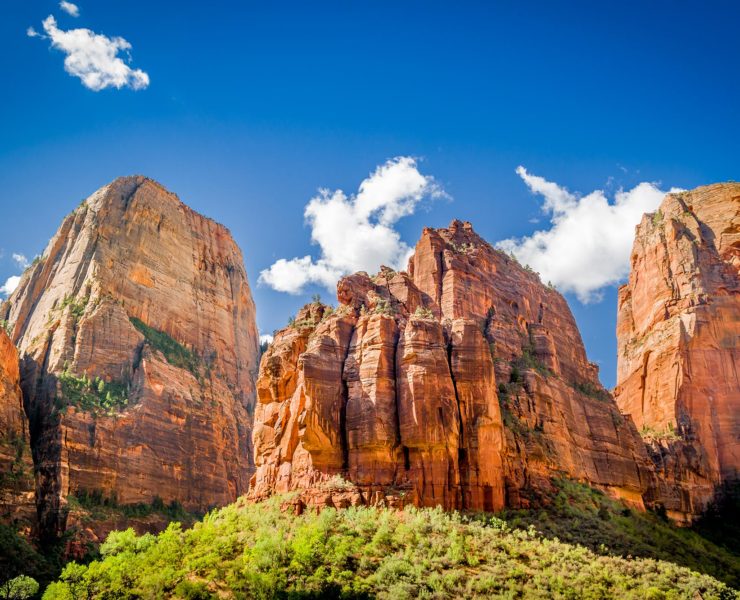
(16, 466)
(139, 348)
(463, 383)
(679, 343)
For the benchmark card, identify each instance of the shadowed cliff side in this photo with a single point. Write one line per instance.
(17, 504)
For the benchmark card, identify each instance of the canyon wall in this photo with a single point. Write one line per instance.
(463, 382)
(139, 348)
(17, 504)
(679, 344)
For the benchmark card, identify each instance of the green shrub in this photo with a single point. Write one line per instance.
(19, 588)
(260, 551)
(423, 313)
(76, 305)
(173, 351)
(93, 395)
(99, 505)
(591, 390)
(579, 514)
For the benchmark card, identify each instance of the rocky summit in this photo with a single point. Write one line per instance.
(462, 383)
(138, 352)
(679, 343)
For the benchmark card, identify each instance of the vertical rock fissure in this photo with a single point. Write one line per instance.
(462, 459)
(396, 408)
(343, 434)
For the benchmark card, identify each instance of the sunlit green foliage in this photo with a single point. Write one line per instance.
(93, 394)
(19, 588)
(174, 352)
(259, 551)
(76, 305)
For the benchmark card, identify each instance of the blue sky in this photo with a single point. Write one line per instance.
(252, 107)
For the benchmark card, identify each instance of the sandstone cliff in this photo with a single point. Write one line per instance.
(138, 352)
(679, 343)
(463, 383)
(16, 466)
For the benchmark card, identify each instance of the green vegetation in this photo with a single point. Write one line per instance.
(76, 305)
(423, 313)
(383, 307)
(98, 507)
(651, 433)
(657, 217)
(463, 248)
(529, 360)
(19, 588)
(93, 395)
(591, 390)
(720, 523)
(259, 551)
(578, 514)
(16, 472)
(302, 324)
(6, 327)
(18, 558)
(174, 352)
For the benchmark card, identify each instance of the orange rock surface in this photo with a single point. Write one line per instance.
(132, 251)
(678, 335)
(16, 466)
(462, 383)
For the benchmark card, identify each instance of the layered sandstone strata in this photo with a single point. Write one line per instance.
(139, 347)
(16, 466)
(462, 383)
(679, 343)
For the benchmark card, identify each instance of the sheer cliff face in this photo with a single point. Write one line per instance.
(16, 465)
(679, 341)
(138, 352)
(463, 383)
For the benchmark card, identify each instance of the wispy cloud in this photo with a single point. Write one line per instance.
(20, 260)
(356, 232)
(93, 57)
(69, 8)
(588, 244)
(10, 284)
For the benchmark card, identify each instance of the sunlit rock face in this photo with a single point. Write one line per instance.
(679, 343)
(139, 348)
(462, 383)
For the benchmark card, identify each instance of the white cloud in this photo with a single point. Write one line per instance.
(93, 57)
(10, 284)
(355, 233)
(590, 239)
(69, 8)
(20, 260)
(266, 338)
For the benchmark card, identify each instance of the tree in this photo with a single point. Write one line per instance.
(19, 588)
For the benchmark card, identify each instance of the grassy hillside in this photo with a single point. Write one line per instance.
(578, 514)
(257, 551)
